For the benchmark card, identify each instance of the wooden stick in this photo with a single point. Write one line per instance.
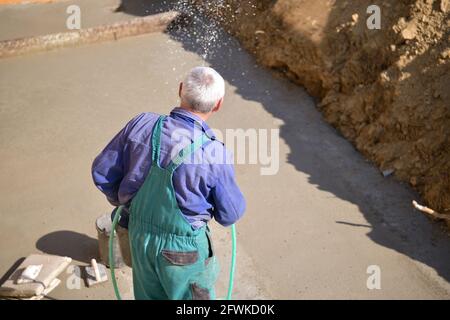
(431, 212)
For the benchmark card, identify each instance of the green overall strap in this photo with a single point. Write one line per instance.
(187, 151)
(156, 141)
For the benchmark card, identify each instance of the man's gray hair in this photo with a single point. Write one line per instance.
(202, 89)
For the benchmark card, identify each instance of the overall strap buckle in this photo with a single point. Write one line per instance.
(156, 141)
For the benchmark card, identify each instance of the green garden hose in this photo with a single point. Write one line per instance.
(233, 262)
(111, 252)
(111, 257)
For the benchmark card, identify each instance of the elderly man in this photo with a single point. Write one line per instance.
(174, 177)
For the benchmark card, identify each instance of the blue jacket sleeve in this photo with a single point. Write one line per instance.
(229, 203)
(108, 168)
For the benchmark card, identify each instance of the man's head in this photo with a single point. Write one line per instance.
(202, 90)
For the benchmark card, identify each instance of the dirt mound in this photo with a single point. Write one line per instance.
(386, 90)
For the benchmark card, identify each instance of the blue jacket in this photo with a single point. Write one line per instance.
(204, 189)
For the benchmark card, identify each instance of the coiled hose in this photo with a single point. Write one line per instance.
(111, 257)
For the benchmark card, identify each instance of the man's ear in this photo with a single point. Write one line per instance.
(180, 89)
(218, 105)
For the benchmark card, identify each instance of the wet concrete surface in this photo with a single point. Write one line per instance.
(34, 19)
(310, 231)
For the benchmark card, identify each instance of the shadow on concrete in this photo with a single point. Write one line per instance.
(354, 224)
(11, 270)
(143, 8)
(72, 244)
(318, 150)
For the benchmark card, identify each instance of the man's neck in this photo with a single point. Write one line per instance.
(203, 116)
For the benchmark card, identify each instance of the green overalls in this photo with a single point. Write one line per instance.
(170, 259)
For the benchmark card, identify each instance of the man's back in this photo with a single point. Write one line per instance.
(204, 187)
(148, 165)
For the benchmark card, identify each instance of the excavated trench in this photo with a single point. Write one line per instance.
(385, 90)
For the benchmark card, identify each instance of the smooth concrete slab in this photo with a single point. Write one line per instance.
(34, 19)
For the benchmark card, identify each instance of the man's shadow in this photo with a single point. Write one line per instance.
(72, 244)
